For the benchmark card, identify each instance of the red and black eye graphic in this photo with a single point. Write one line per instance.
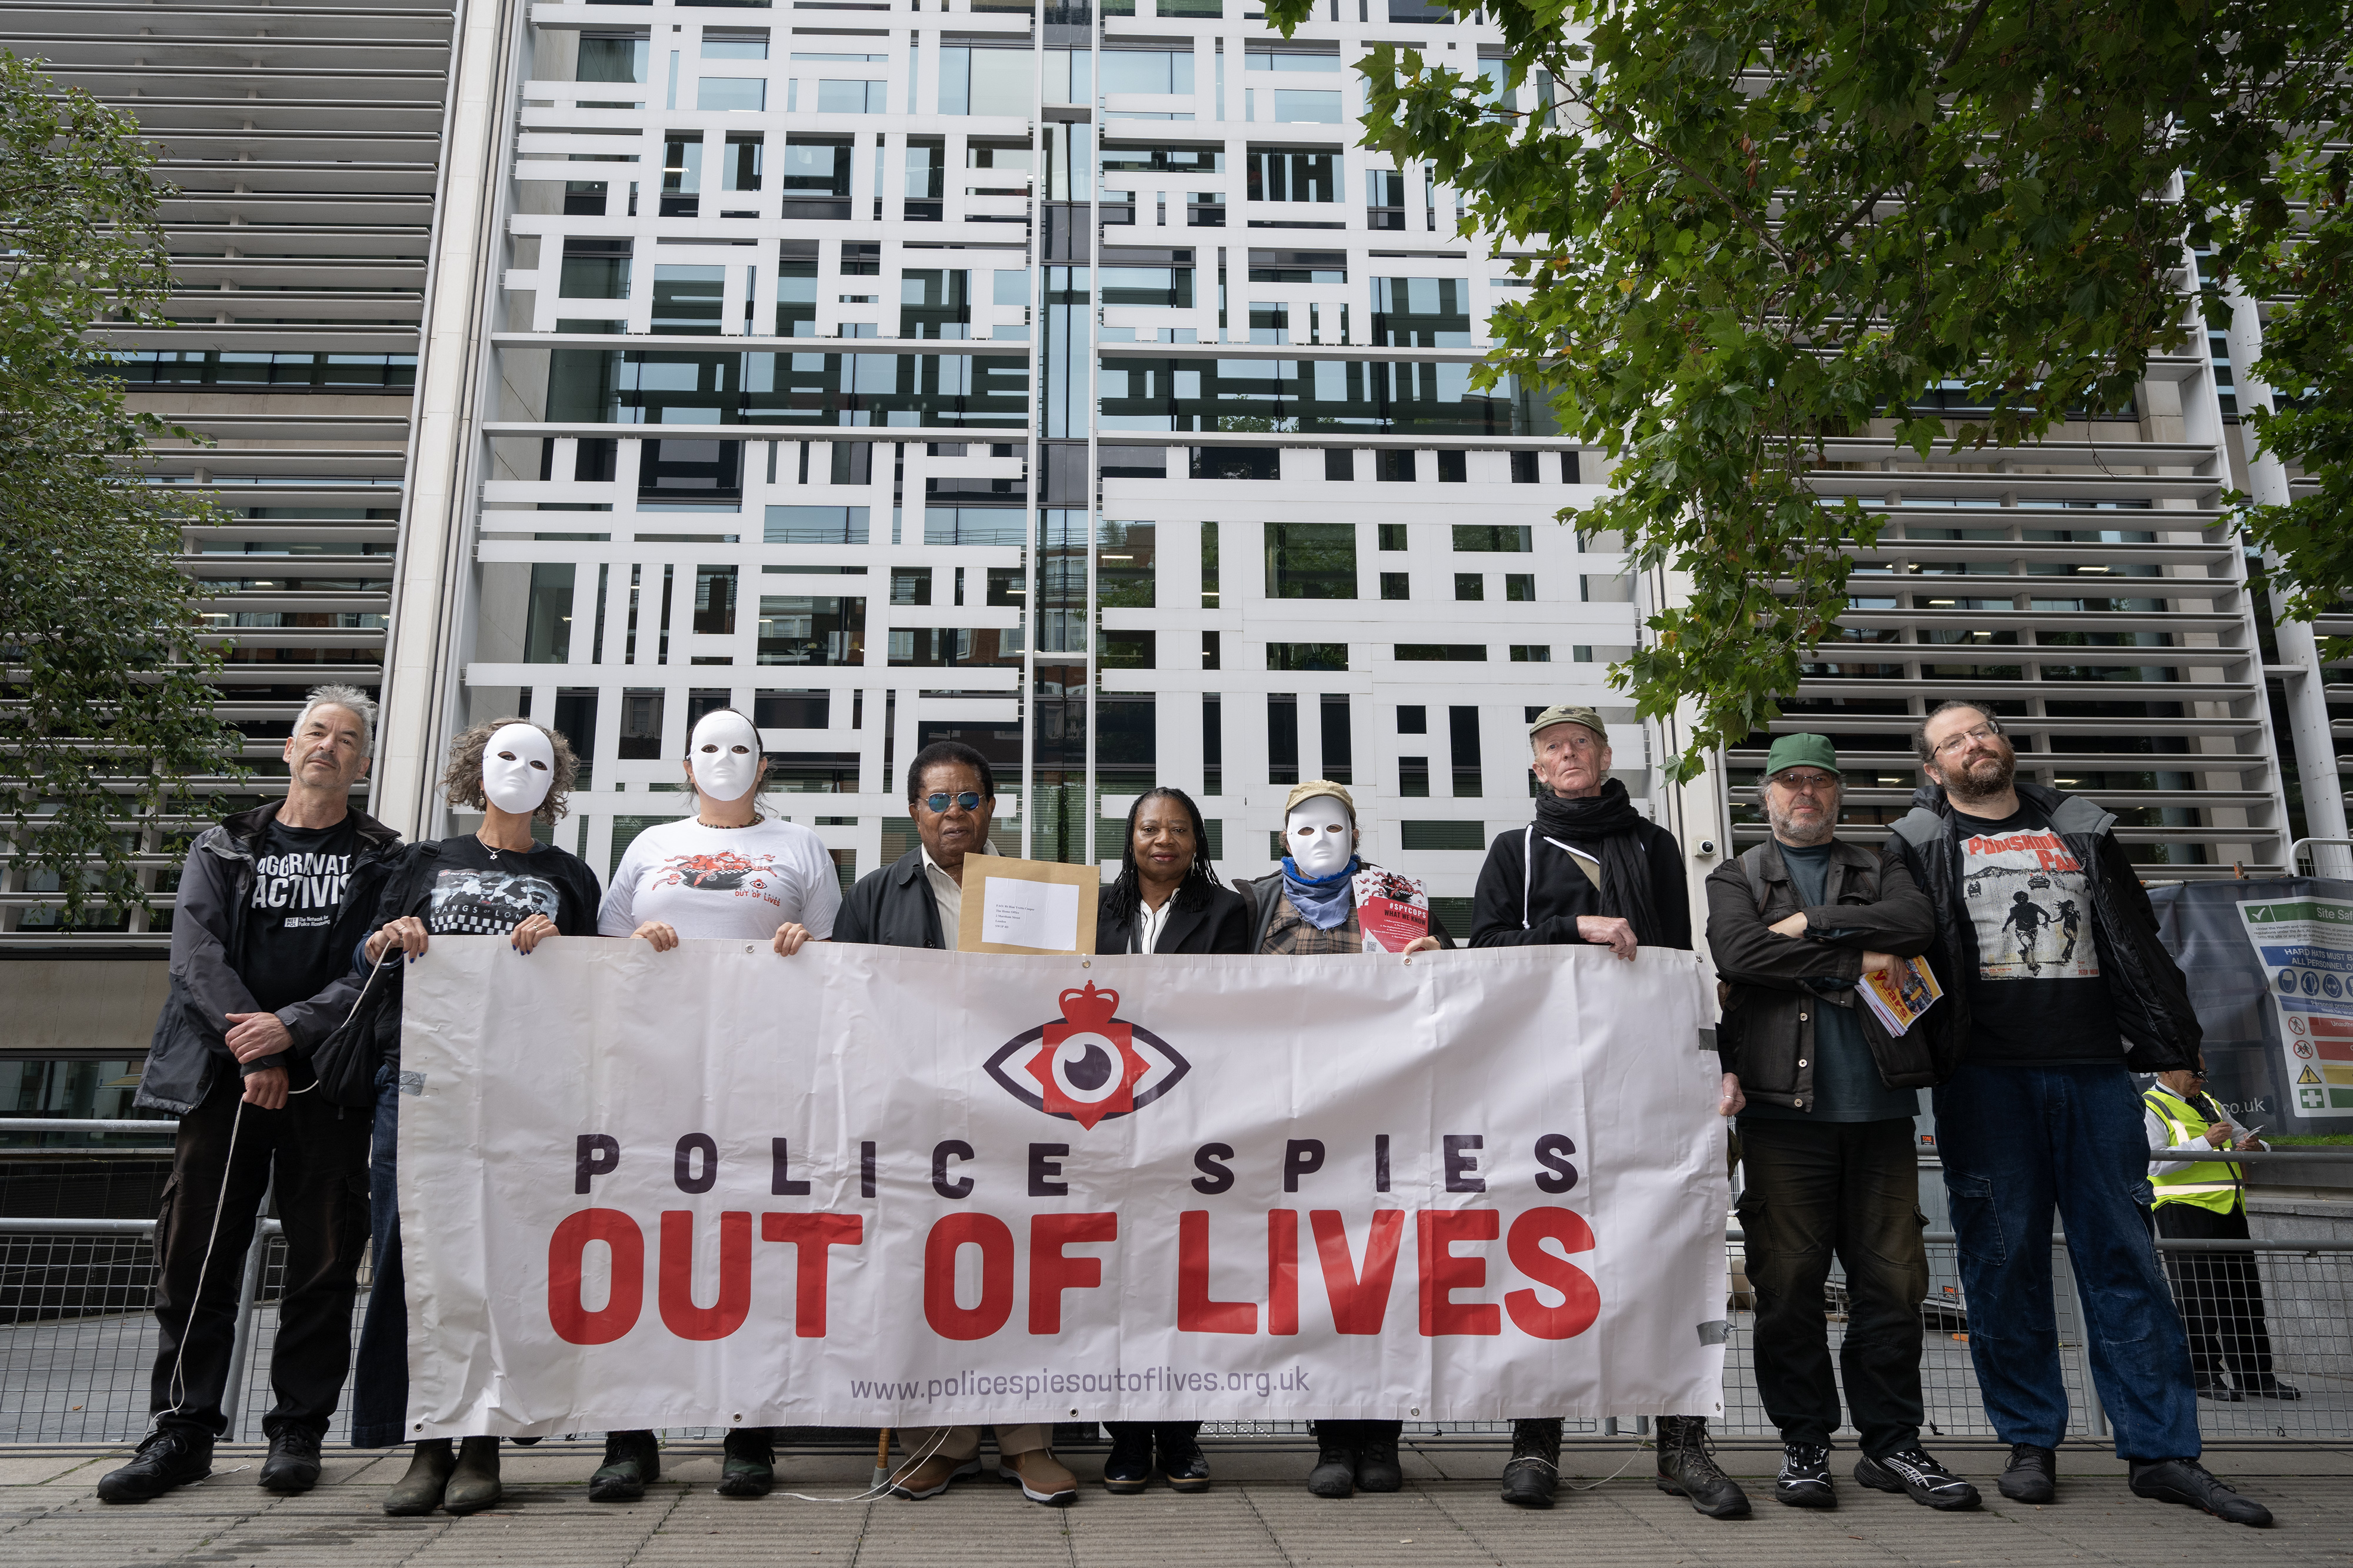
(1088, 1066)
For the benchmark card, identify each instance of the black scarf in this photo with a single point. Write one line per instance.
(1610, 819)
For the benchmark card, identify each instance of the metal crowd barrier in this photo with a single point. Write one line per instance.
(78, 1343)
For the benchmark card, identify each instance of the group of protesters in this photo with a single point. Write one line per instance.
(294, 919)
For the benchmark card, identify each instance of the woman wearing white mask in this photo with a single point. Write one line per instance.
(496, 880)
(726, 872)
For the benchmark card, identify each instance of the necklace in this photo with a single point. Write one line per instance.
(725, 826)
(493, 849)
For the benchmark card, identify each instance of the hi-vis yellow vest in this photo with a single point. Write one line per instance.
(2208, 1183)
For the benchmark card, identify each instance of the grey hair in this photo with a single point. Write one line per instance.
(361, 705)
(1926, 752)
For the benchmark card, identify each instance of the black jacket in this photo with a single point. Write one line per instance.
(1550, 901)
(207, 930)
(1217, 923)
(1263, 893)
(891, 907)
(2146, 986)
(1871, 904)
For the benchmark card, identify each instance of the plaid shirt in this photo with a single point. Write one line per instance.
(1288, 932)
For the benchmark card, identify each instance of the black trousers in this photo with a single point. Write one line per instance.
(2219, 1295)
(319, 1153)
(1848, 1189)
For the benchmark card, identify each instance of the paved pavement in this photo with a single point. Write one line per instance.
(1256, 1514)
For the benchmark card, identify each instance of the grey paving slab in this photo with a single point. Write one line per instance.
(1258, 1514)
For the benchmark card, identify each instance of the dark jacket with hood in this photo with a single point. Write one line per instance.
(207, 932)
(2146, 987)
(1779, 984)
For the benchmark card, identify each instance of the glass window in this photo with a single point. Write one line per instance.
(739, 94)
(547, 635)
(687, 299)
(609, 57)
(734, 46)
(798, 629)
(1286, 61)
(1146, 70)
(1292, 175)
(986, 81)
(1311, 561)
(714, 600)
(594, 269)
(852, 98)
(1294, 106)
(1421, 312)
(815, 525)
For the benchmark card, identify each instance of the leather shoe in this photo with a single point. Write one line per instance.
(171, 1456)
(474, 1484)
(1127, 1469)
(1335, 1475)
(2272, 1388)
(1687, 1468)
(2189, 1483)
(1532, 1474)
(748, 1467)
(1041, 1477)
(2031, 1475)
(419, 1491)
(920, 1478)
(1182, 1463)
(2217, 1390)
(293, 1463)
(1378, 1469)
(631, 1459)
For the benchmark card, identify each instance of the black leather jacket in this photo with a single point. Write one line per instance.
(892, 907)
(2146, 986)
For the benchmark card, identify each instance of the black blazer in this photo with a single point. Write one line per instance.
(1222, 925)
(892, 907)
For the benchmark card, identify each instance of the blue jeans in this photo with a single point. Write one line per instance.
(380, 1371)
(2016, 1141)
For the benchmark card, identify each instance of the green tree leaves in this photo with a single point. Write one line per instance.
(1757, 227)
(105, 710)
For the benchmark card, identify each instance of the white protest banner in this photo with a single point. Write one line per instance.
(874, 1186)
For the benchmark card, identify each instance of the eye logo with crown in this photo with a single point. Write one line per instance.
(1090, 1065)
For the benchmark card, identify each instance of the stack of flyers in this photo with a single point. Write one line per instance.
(1393, 911)
(1901, 993)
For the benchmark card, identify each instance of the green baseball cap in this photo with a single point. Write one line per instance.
(1801, 752)
(1568, 714)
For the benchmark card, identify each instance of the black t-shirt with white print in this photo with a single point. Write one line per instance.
(479, 891)
(295, 941)
(2037, 998)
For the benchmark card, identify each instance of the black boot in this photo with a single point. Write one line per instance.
(631, 1459)
(171, 1456)
(1378, 1469)
(1181, 1463)
(293, 1463)
(419, 1491)
(1532, 1473)
(474, 1483)
(2188, 1483)
(1687, 1467)
(1128, 1468)
(749, 1466)
(1334, 1474)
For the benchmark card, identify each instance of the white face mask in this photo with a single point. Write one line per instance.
(726, 752)
(518, 766)
(1318, 837)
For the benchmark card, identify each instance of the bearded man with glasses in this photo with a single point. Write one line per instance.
(2041, 1112)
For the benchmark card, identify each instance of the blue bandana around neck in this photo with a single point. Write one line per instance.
(1325, 903)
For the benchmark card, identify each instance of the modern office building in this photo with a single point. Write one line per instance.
(1070, 382)
(303, 141)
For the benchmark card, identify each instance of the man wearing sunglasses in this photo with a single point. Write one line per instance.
(915, 901)
(2039, 1115)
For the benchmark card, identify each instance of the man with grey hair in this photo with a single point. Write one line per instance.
(2041, 1114)
(1826, 1137)
(270, 905)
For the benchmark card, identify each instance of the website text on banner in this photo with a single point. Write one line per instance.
(895, 1187)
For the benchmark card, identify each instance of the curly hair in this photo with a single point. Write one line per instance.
(461, 781)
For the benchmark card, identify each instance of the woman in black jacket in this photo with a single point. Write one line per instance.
(1165, 900)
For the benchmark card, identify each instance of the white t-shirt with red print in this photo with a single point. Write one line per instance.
(724, 882)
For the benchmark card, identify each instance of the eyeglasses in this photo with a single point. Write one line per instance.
(1954, 742)
(968, 800)
(1806, 784)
